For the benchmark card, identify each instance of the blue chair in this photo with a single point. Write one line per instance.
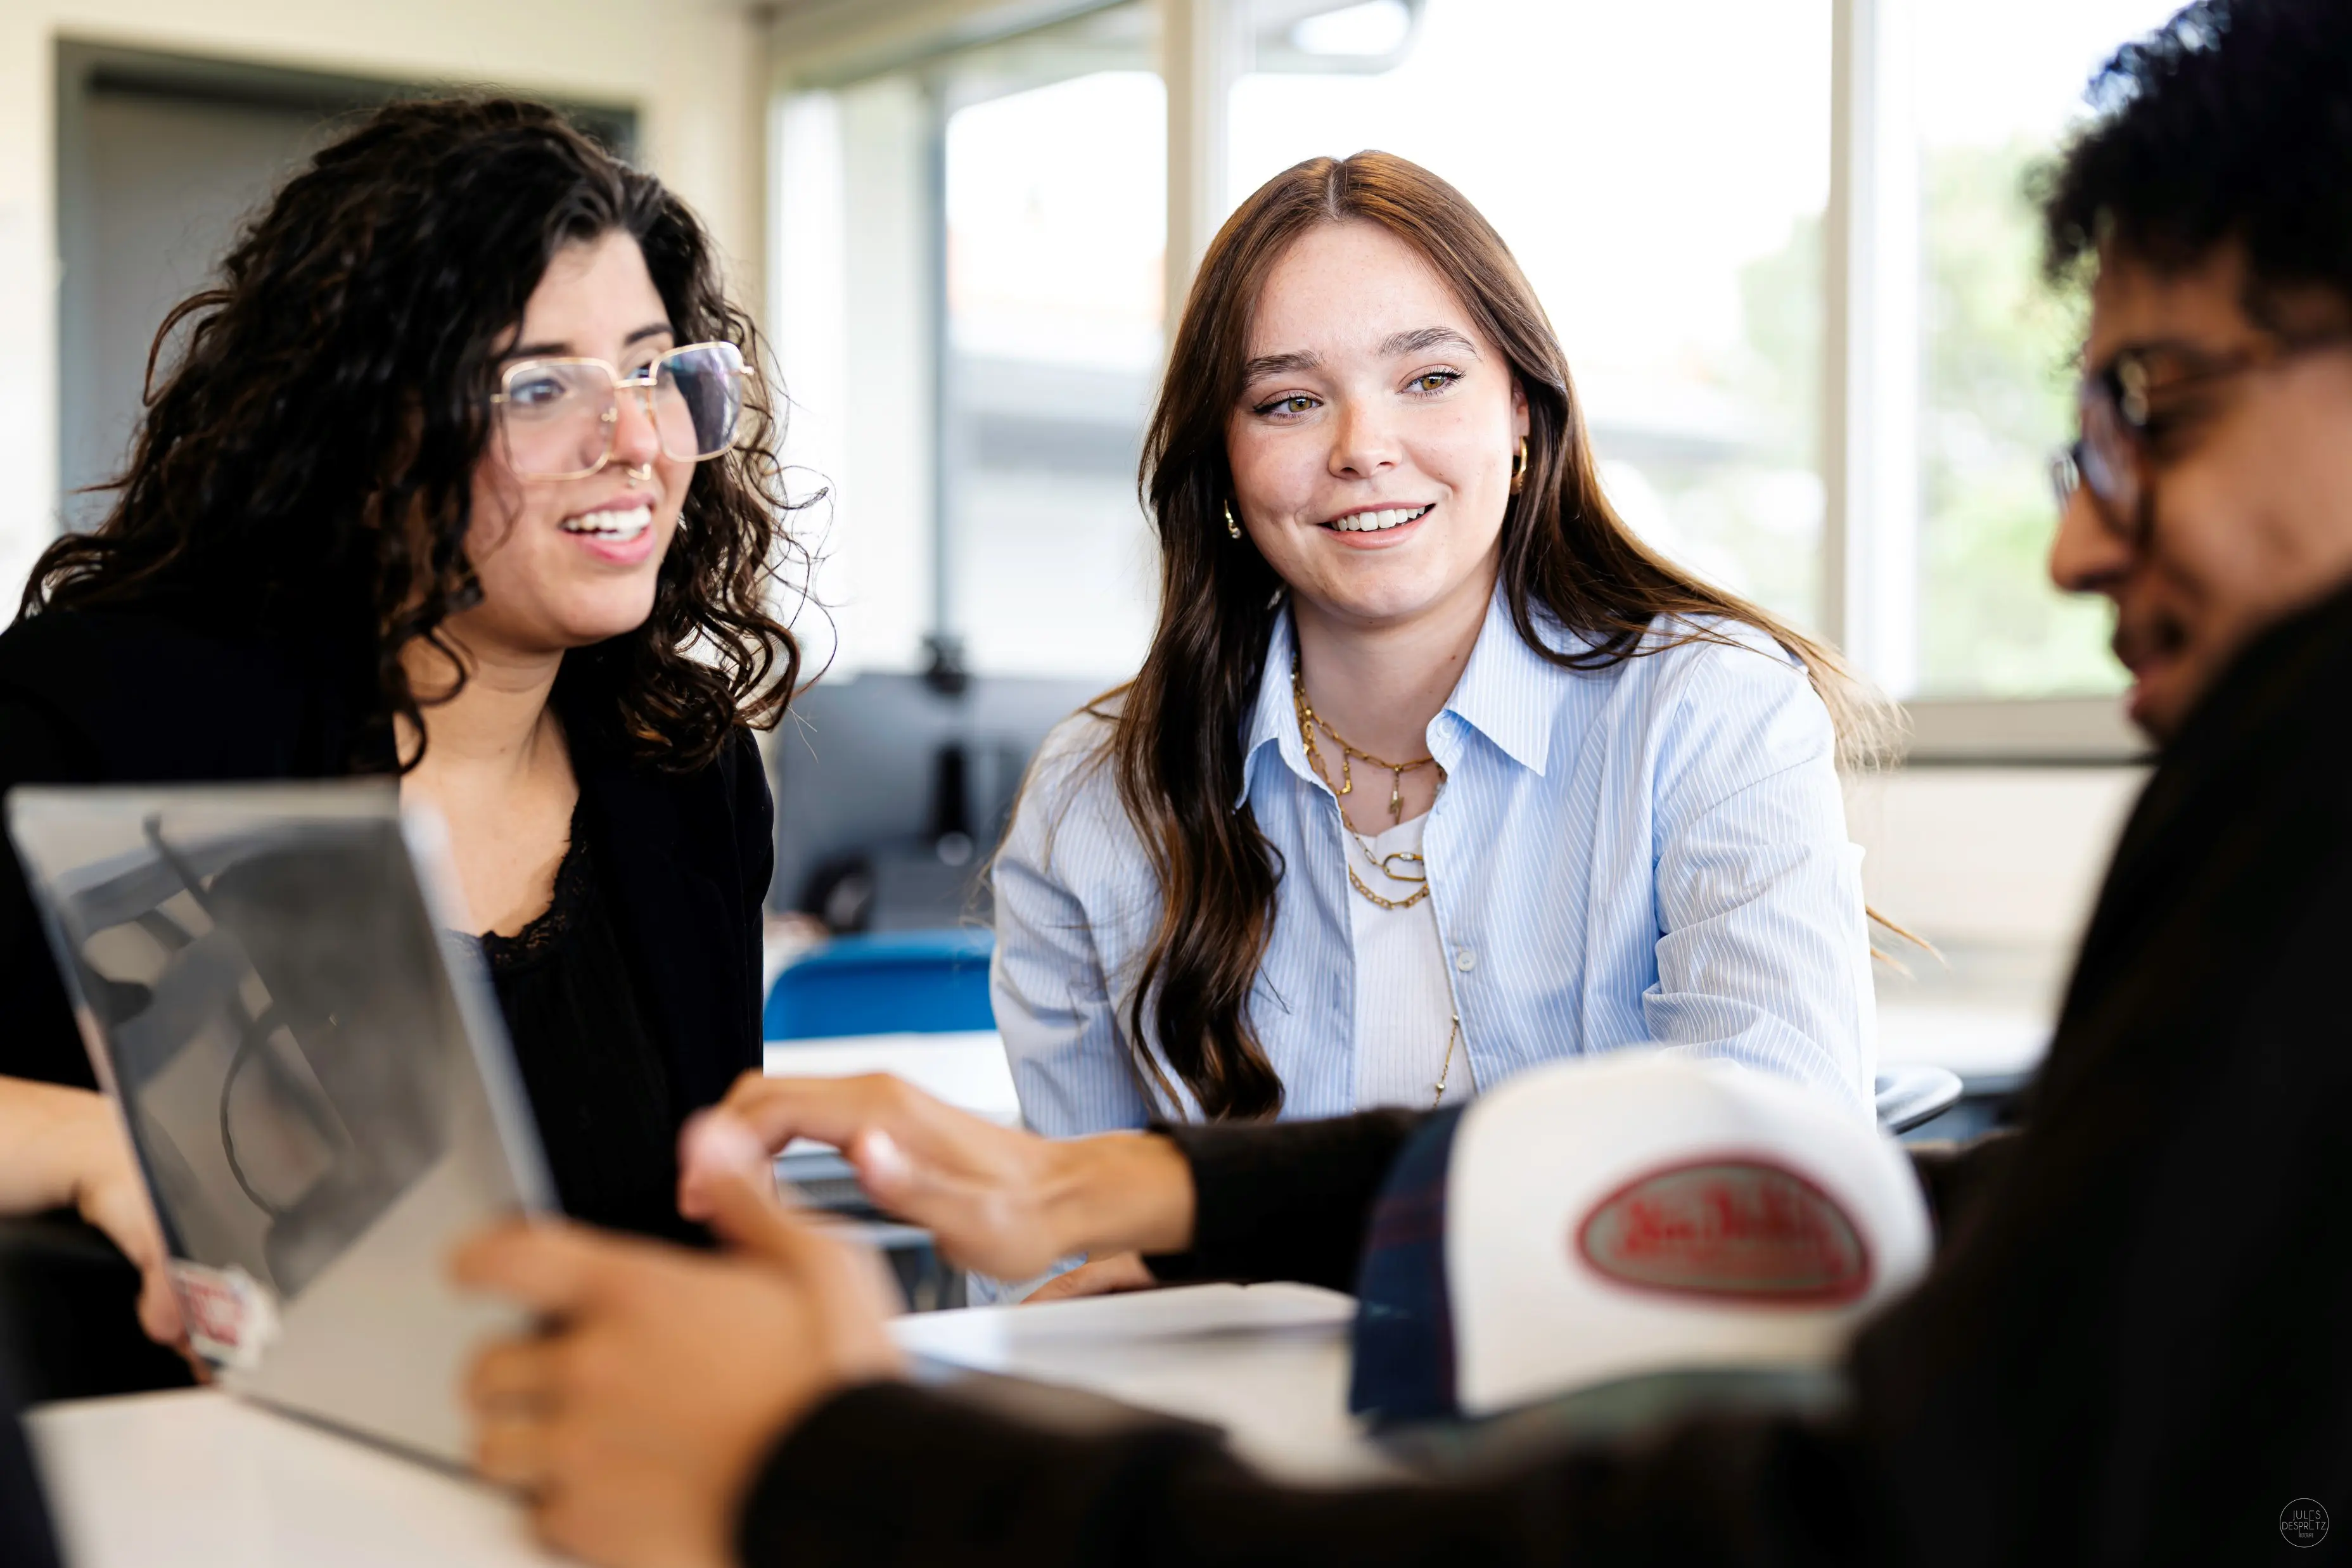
(903, 982)
(1913, 1095)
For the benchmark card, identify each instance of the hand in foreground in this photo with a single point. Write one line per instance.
(634, 1422)
(999, 1200)
(63, 1147)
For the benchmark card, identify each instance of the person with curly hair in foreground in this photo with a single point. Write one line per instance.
(460, 475)
(2131, 1347)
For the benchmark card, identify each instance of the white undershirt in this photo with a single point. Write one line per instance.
(1404, 1008)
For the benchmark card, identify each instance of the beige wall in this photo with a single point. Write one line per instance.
(695, 71)
(1997, 856)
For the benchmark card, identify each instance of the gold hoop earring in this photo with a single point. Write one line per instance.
(1519, 466)
(1232, 526)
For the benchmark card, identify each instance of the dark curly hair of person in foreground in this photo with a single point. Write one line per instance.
(2196, 147)
(306, 459)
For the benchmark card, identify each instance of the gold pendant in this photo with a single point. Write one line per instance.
(1445, 1068)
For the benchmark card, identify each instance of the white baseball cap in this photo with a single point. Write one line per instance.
(1626, 1214)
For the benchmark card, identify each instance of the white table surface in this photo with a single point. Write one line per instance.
(197, 1479)
(966, 1070)
(1268, 1362)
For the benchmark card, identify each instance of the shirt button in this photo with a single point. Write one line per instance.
(1465, 959)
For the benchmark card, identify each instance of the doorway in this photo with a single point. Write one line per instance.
(161, 159)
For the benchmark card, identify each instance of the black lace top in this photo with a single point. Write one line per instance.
(599, 1088)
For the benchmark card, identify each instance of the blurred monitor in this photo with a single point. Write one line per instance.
(892, 792)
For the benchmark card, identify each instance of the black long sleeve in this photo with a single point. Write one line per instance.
(888, 1474)
(1288, 1201)
(1292, 1200)
(1957, 1177)
(39, 1039)
(107, 697)
(2131, 1349)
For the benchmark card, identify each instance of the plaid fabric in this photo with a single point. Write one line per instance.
(1403, 1364)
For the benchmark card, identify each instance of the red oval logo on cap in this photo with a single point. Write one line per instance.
(1727, 1227)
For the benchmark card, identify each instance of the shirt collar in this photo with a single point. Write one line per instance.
(1507, 693)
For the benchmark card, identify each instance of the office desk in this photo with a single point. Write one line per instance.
(193, 1479)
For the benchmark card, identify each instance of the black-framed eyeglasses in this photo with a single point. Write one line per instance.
(2120, 424)
(557, 417)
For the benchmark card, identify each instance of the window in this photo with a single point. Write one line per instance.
(1786, 244)
(1679, 262)
(967, 314)
(1057, 218)
(1996, 84)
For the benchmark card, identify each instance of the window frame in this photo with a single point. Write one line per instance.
(1869, 467)
(1870, 277)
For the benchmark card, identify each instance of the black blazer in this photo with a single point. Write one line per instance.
(108, 696)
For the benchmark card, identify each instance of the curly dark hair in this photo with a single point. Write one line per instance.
(2230, 122)
(308, 459)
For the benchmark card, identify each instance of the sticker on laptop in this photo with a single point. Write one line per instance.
(231, 1317)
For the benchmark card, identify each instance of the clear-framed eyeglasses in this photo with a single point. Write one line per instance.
(557, 418)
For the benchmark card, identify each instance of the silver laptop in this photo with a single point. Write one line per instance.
(313, 1071)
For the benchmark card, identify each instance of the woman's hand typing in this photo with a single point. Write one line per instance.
(999, 1200)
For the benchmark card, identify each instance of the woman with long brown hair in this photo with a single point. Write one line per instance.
(1434, 771)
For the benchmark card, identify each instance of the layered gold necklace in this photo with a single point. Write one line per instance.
(1415, 867)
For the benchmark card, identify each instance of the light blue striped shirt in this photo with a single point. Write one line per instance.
(1650, 854)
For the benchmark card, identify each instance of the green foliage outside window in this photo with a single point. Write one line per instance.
(1997, 377)
(1998, 370)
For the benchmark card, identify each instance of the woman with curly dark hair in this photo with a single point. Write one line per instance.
(459, 473)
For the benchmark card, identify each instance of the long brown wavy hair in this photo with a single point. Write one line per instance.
(1175, 739)
(308, 459)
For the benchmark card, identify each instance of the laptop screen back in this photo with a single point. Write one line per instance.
(317, 1088)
